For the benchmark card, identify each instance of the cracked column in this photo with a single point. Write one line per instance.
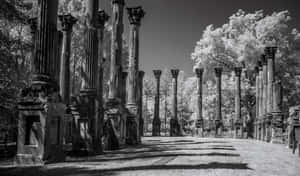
(67, 22)
(175, 129)
(140, 103)
(238, 117)
(265, 96)
(135, 15)
(218, 119)
(156, 119)
(200, 122)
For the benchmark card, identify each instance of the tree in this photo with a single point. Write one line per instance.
(241, 41)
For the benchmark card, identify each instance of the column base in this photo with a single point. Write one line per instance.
(219, 128)
(239, 134)
(175, 128)
(156, 127)
(115, 120)
(132, 126)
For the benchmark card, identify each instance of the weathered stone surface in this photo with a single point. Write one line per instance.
(135, 15)
(238, 117)
(199, 74)
(156, 120)
(40, 112)
(175, 128)
(115, 112)
(218, 119)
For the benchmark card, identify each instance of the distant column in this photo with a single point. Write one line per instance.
(256, 102)
(260, 100)
(270, 56)
(200, 122)
(218, 120)
(67, 22)
(265, 95)
(174, 122)
(238, 117)
(277, 114)
(156, 119)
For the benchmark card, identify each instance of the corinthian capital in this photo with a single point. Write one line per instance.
(135, 14)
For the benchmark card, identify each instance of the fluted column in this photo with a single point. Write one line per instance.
(115, 81)
(140, 102)
(67, 22)
(156, 119)
(135, 15)
(33, 30)
(199, 74)
(124, 87)
(218, 120)
(102, 18)
(265, 95)
(238, 117)
(174, 122)
(44, 58)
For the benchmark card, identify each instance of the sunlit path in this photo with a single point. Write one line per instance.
(179, 156)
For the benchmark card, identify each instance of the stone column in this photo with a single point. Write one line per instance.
(260, 117)
(39, 108)
(265, 95)
(44, 61)
(140, 103)
(33, 30)
(256, 102)
(67, 22)
(124, 87)
(277, 114)
(218, 119)
(116, 51)
(102, 18)
(88, 90)
(200, 122)
(135, 15)
(175, 129)
(156, 119)
(270, 56)
(238, 117)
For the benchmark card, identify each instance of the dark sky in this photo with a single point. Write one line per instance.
(171, 28)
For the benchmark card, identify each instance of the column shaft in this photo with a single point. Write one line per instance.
(115, 80)
(156, 119)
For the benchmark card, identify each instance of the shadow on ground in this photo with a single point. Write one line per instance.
(74, 171)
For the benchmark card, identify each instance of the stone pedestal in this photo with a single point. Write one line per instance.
(156, 120)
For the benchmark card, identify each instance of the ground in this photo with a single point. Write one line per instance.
(178, 156)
